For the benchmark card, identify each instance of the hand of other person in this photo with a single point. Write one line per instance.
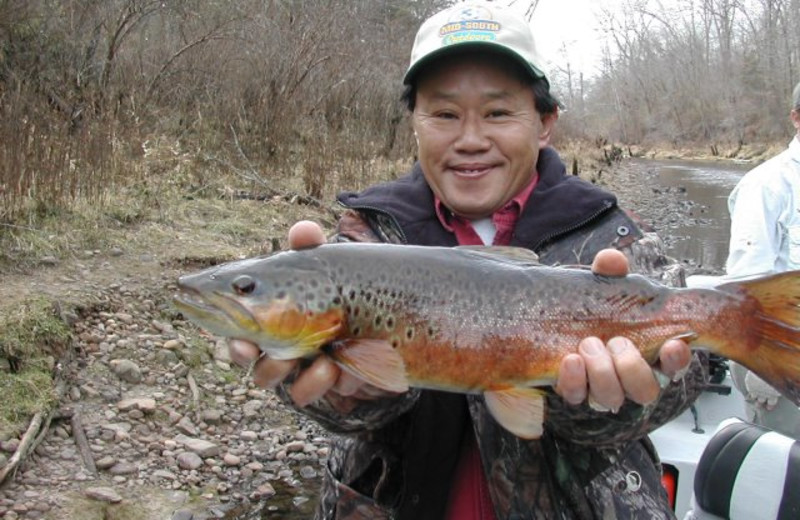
(607, 374)
(322, 376)
(760, 392)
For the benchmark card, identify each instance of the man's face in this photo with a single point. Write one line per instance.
(478, 133)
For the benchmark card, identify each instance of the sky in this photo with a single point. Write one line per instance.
(572, 23)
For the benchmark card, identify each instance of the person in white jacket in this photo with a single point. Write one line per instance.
(765, 238)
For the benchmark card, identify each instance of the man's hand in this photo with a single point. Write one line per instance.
(608, 373)
(322, 376)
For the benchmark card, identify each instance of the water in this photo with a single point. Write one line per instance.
(703, 237)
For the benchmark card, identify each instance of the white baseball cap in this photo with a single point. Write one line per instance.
(475, 25)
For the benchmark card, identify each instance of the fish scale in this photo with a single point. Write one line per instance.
(482, 320)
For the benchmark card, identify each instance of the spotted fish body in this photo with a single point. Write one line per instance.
(480, 320)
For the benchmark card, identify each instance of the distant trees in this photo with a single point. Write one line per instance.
(694, 71)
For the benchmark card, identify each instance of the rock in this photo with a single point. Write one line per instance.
(248, 435)
(105, 462)
(9, 446)
(173, 344)
(186, 426)
(126, 370)
(264, 491)
(308, 472)
(145, 404)
(231, 460)
(123, 468)
(253, 408)
(189, 460)
(182, 514)
(211, 416)
(103, 494)
(201, 447)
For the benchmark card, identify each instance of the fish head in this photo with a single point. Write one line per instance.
(286, 303)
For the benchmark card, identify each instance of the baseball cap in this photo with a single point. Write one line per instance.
(475, 25)
(796, 97)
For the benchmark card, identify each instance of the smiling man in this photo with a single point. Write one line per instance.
(483, 115)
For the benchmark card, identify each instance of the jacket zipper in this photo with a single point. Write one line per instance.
(606, 206)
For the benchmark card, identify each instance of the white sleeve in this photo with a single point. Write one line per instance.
(755, 233)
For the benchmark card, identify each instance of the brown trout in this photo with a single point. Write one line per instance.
(482, 320)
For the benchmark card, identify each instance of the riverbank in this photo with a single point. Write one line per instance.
(153, 421)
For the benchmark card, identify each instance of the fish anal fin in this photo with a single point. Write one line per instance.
(373, 360)
(518, 410)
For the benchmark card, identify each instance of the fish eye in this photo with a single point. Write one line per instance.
(244, 285)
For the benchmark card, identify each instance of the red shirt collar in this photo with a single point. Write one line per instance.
(514, 206)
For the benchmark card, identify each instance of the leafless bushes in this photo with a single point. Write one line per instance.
(308, 89)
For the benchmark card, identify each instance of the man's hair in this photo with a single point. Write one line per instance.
(545, 101)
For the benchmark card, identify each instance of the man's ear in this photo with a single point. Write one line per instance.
(795, 116)
(548, 125)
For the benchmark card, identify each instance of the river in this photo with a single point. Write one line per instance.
(703, 237)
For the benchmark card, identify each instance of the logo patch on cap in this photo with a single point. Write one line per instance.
(470, 24)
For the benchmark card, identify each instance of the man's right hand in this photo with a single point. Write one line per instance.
(322, 376)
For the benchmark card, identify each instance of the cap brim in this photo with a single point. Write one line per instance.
(529, 68)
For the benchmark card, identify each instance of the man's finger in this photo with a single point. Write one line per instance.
(268, 373)
(314, 382)
(605, 388)
(305, 234)
(634, 372)
(243, 352)
(610, 262)
(571, 384)
(674, 357)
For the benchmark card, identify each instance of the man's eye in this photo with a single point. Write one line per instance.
(446, 115)
(498, 113)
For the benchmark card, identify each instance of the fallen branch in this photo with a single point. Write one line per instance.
(195, 390)
(26, 444)
(79, 434)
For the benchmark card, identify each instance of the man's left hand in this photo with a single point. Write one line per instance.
(607, 374)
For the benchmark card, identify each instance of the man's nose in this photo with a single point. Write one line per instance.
(473, 135)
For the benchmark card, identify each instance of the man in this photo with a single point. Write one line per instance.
(765, 238)
(483, 115)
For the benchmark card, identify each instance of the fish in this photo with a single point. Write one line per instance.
(482, 320)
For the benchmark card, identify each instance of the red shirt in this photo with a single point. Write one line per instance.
(504, 219)
(469, 494)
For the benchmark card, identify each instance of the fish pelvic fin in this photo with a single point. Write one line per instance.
(518, 410)
(373, 360)
(776, 358)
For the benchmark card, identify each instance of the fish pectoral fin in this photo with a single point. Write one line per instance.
(373, 360)
(518, 410)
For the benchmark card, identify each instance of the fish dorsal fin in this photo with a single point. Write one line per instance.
(518, 410)
(517, 255)
(373, 360)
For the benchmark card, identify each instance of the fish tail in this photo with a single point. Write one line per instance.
(773, 351)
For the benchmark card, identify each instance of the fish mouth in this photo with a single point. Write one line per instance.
(216, 312)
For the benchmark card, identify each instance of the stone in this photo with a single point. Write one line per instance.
(145, 404)
(189, 460)
(126, 370)
(253, 408)
(123, 468)
(103, 494)
(202, 447)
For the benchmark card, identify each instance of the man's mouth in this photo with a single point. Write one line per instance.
(471, 170)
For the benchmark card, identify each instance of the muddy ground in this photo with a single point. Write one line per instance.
(154, 421)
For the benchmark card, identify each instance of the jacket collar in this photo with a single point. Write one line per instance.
(558, 204)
